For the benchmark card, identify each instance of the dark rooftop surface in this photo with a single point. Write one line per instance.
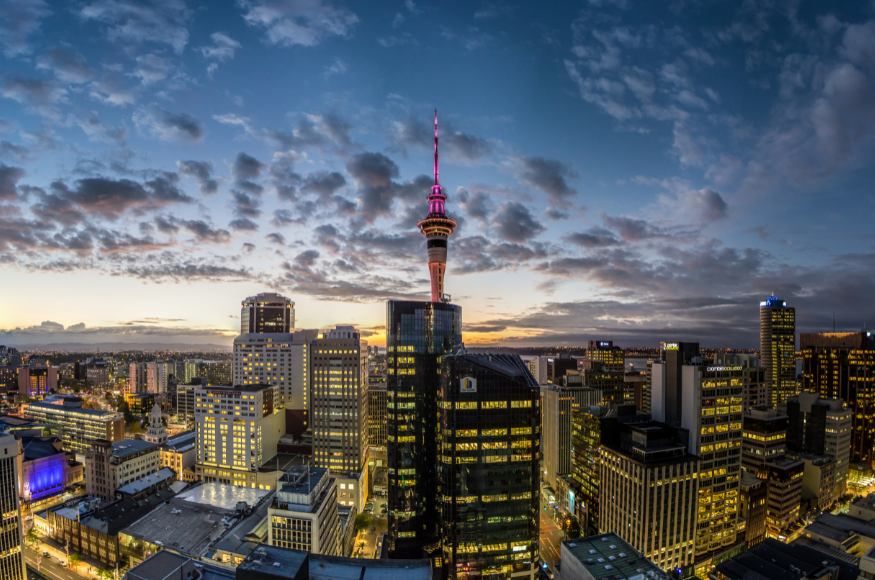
(40, 447)
(778, 561)
(130, 446)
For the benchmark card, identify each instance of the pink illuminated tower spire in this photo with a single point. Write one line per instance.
(437, 228)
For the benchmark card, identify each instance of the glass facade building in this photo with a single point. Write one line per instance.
(418, 334)
(489, 463)
(778, 348)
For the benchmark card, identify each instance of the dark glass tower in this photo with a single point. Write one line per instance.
(418, 334)
(489, 464)
(267, 312)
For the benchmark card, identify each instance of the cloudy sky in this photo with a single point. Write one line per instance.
(616, 169)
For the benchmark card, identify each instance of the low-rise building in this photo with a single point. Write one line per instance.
(605, 556)
(179, 454)
(140, 403)
(778, 561)
(863, 508)
(842, 532)
(43, 469)
(304, 512)
(109, 466)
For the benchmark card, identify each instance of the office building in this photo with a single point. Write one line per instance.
(96, 371)
(559, 403)
(537, 366)
(595, 557)
(140, 403)
(137, 378)
(216, 372)
(237, 432)
(779, 561)
(303, 515)
(755, 388)
(9, 379)
(377, 399)
(281, 360)
(267, 313)
(339, 390)
(558, 367)
(649, 493)
(418, 334)
(778, 348)
(764, 439)
(603, 351)
(635, 388)
(489, 467)
(706, 401)
(818, 480)
(590, 426)
(79, 427)
(753, 493)
(820, 426)
(109, 466)
(36, 382)
(11, 533)
(785, 495)
(593, 375)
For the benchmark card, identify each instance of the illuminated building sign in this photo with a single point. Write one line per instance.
(603, 344)
(671, 346)
(225, 393)
(467, 385)
(717, 369)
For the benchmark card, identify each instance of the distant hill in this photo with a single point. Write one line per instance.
(118, 346)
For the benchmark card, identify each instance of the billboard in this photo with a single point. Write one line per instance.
(467, 385)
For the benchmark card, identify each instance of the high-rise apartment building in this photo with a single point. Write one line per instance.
(755, 389)
(558, 404)
(594, 375)
(11, 533)
(339, 363)
(137, 378)
(303, 515)
(158, 375)
(418, 334)
(37, 381)
(217, 372)
(841, 365)
(489, 481)
(753, 495)
(537, 365)
(778, 348)
(281, 360)
(377, 400)
(764, 440)
(267, 313)
(603, 351)
(650, 490)
(707, 401)
(785, 495)
(237, 432)
(821, 426)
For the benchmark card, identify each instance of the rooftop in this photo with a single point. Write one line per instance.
(236, 388)
(127, 447)
(144, 483)
(181, 441)
(70, 410)
(839, 527)
(609, 556)
(164, 562)
(283, 563)
(778, 561)
(223, 496)
(40, 447)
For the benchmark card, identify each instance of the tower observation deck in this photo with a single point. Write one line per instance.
(437, 228)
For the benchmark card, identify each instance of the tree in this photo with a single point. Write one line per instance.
(362, 521)
(75, 560)
(105, 574)
(136, 427)
(32, 537)
(571, 527)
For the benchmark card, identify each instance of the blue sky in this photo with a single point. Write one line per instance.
(642, 171)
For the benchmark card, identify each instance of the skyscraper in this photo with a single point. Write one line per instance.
(489, 467)
(267, 312)
(340, 393)
(604, 351)
(418, 334)
(11, 534)
(841, 365)
(778, 348)
(437, 228)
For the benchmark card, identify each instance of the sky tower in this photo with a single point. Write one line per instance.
(437, 228)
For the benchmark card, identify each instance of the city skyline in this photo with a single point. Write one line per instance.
(640, 175)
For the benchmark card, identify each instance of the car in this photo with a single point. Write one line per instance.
(373, 529)
(46, 554)
(61, 562)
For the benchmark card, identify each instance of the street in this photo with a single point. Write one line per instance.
(551, 536)
(368, 537)
(51, 569)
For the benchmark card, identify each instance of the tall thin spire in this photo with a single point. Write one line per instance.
(436, 150)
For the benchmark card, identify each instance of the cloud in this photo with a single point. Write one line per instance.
(243, 225)
(246, 167)
(66, 64)
(92, 126)
(9, 178)
(454, 144)
(298, 22)
(202, 171)
(477, 205)
(337, 68)
(19, 19)
(205, 233)
(708, 204)
(157, 21)
(549, 176)
(397, 40)
(221, 50)
(276, 238)
(246, 205)
(167, 126)
(593, 238)
(324, 183)
(311, 130)
(151, 68)
(515, 223)
(35, 94)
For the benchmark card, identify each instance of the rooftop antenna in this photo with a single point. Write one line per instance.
(436, 149)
